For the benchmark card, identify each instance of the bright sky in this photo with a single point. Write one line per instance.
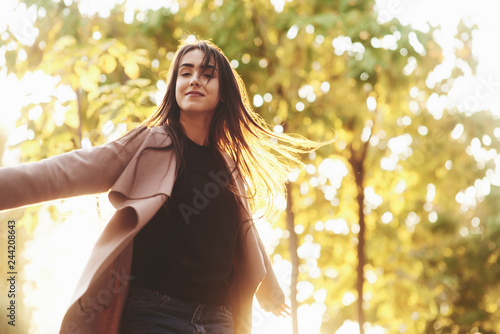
(469, 93)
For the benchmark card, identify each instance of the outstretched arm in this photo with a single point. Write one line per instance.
(79, 172)
(269, 294)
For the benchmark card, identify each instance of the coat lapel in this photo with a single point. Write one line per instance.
(151, 171)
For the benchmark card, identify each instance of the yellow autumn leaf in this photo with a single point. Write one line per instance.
(64, 42)
(273, 37)
(397, 205)
(117, 50)
(94, 72)
(89, 79)
(71, 118)
(88, 83)
(107, 63)
(280, 52)
(132, 69)
(283, 109)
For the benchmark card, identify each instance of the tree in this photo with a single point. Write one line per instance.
(380, 234)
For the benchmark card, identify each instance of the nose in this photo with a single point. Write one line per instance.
(194, 81)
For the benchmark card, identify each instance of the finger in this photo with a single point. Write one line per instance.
(286, 309)
(277, 312)
(282, 311)
(285, 312)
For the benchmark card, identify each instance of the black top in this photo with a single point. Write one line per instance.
(186, 249)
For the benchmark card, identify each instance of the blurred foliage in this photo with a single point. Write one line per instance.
(432, 267)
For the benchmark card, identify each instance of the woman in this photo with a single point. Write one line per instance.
(181, 253)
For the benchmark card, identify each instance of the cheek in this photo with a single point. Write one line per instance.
(215, 87)
(178, 87)
(178, 95)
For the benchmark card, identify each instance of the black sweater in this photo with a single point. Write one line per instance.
(186, 249)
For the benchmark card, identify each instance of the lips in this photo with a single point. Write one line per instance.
(194, 93)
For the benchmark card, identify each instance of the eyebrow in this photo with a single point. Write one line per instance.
(192, 66)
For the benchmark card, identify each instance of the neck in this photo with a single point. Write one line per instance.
(195, 129)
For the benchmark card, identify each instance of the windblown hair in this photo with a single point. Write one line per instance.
(237, 130)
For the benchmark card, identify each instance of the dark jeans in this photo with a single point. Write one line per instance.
(150, 312)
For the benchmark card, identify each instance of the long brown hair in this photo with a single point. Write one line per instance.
(237, 130)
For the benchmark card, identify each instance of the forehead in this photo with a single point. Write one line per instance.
(195, 57)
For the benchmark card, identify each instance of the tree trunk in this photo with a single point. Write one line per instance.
(79, 110)
(357, 164)
(290, 222)
(361, 249)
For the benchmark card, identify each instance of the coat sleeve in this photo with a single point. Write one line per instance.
(79, 172)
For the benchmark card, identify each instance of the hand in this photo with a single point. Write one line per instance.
(282, 311)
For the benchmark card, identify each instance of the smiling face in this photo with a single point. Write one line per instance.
(197, 87)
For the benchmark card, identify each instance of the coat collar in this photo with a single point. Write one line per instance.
(150, 172)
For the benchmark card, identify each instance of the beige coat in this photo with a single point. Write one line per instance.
(138, 186)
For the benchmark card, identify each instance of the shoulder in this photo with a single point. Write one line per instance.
(145, 136)
(159, 135)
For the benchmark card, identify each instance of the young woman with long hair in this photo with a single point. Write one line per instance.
(181, 253)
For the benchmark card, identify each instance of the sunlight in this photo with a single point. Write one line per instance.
(352, 327)
(62, 241)
(400, 144)
(52, 272)
(337, 226)
(309, 320)
(34, 87)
